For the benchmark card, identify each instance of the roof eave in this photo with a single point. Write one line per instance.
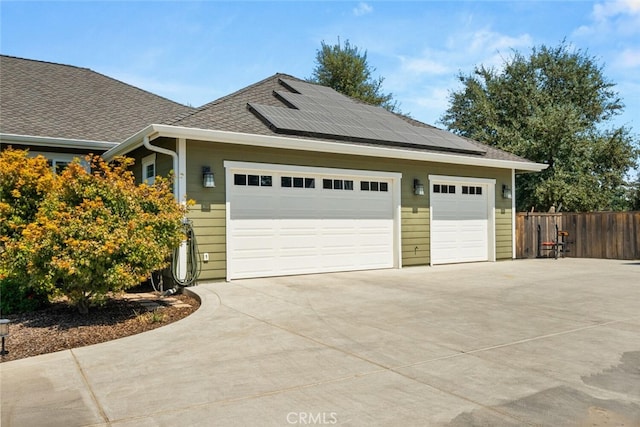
(290, 143)
(129, 144)
(52, 142)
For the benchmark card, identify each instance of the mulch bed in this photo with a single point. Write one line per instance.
(60, 327)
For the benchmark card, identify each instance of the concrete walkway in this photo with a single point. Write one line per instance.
(536, 342)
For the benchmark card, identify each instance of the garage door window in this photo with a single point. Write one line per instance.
(472, 190)
(444, 189)
(297, 182)
(373, 186)
(253, 180)
(337, 184)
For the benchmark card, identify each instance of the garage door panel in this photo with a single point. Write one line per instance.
(459, 224)
(284, 230)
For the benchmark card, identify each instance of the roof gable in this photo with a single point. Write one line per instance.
(61, 101)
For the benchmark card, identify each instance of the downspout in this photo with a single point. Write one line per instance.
(180, 264)
(174, 156)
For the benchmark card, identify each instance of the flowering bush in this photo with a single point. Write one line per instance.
(24, 182)
(96, 232)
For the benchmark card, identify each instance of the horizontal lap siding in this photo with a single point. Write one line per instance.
(415, 235)
(504, 234)
(208, 212)
(209, 226)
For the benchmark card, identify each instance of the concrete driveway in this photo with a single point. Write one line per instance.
(536, 342)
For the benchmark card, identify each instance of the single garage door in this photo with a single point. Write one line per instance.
(285, 220)
(461, 226)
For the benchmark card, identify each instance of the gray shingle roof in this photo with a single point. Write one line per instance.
(232, 113)
(53, 100)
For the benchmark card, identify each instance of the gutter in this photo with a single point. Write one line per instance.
(155, 130)
(174, 156)
(51, 142)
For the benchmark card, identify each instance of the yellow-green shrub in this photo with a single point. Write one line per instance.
(96, 232)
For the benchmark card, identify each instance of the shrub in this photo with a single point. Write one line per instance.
(96, 232)
(15, 297)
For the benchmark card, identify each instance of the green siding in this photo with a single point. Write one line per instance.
(164, 163)
(208, 212)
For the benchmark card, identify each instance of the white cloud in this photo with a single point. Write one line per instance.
(619, 18)
(362, 9)
(603, 11)
(422, 81)
(628, 58)
(423, 65)
(491, 42)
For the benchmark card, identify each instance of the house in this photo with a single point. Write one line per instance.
(290, 177)
(62, 111)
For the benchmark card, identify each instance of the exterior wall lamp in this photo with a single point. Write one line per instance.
(4, 332)
(418, 187)
(506, 191)
(208, 180)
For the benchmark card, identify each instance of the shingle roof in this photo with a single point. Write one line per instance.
(53, 100)
(231, 113)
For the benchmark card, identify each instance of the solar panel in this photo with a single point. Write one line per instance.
(315, 110)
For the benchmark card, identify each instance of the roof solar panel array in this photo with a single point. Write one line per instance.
(316, 110)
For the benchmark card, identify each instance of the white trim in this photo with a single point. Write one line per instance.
(55, 157)
(292, 143)
(491, 208)
(146, 161)
(228, 178)
(46, 141)
(395, 177)
(462, 179)
(273, 167)
(182, 170)
(513, 213)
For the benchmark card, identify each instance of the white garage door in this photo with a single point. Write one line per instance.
(307, 220)
(461, 226)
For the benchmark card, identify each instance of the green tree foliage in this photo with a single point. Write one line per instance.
(634, 194)
(551, 107)
(93, 232)
(345, 69)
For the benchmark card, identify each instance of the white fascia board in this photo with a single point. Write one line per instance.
(129, 144)
(51, 142)
(289, 143)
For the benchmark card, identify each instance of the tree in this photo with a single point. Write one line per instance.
(552, 107)
(345, 69)
(633, 196)
(94, 232)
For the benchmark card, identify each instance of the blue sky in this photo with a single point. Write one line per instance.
(195, 52)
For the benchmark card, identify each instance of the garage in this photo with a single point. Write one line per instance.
(284, 220)
(462, 219)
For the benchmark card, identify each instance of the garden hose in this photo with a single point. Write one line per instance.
(193, 262)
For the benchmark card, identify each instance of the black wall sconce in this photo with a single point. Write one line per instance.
(506, 191)
(208, 180)
(418, 187)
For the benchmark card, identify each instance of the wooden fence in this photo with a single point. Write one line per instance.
(612, 235)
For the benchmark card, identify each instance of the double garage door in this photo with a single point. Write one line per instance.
(284, 220)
